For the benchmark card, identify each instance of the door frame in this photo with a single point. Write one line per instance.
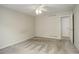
(72, 18)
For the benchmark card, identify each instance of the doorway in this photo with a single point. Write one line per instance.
(67, 28)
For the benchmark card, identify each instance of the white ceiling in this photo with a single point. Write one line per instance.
(30, 8)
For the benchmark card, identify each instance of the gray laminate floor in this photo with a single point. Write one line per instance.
(38, 45)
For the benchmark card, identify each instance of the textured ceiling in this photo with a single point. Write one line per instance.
(30, 8)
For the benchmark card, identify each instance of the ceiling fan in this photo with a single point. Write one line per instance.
(40, 9)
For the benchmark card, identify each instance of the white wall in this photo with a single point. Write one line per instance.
(14, 27)
(48, 26)
(76, 26)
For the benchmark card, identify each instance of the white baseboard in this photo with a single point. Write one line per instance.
(15, 42)
(49, 37)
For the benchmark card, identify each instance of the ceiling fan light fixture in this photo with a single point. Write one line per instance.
(38, 11)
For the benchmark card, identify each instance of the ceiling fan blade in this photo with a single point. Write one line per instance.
(43, 9)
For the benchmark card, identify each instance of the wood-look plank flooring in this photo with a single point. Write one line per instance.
(39, 45)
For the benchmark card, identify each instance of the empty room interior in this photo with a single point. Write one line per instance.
(39, 28)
